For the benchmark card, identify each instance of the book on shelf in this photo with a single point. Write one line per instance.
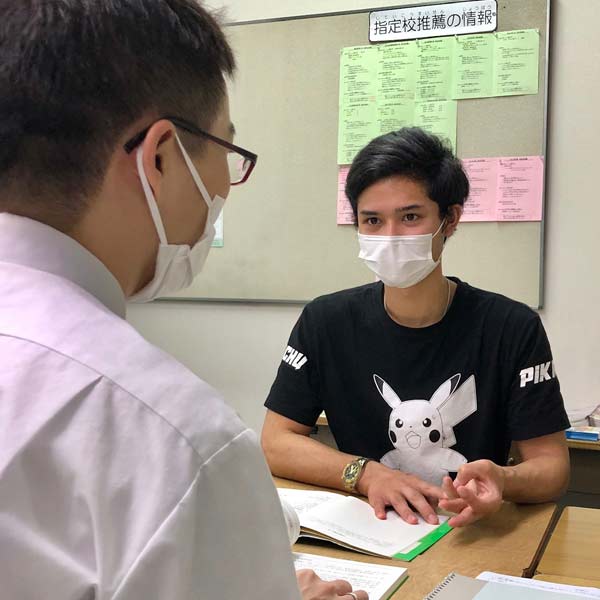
(583, 433)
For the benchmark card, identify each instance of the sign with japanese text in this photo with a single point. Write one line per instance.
(433, 20)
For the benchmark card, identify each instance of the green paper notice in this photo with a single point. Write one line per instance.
(473, 66)
(434, 69)
(517, 59)
(395, 114)
(396, 80)
(358, 126)
(358, 101)
(438, 118)
(396, 71)
(386, 87)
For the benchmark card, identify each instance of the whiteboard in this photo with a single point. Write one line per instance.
(281, 241)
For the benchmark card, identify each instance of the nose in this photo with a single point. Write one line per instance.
(390, 228)
(394, 228)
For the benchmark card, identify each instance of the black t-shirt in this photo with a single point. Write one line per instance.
(423, 400)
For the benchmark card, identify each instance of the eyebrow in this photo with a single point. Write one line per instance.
(404, 209)
(232, 129)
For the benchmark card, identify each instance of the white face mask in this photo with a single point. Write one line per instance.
(177, 264)
(399, 261)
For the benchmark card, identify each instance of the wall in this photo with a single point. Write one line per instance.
(237, 348)
(252, 10)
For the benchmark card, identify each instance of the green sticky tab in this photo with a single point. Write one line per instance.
(426, 542)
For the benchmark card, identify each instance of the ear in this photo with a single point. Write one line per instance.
(444, 391)
(455, 212)
(461, 404)
(153, 149)
(387, 393)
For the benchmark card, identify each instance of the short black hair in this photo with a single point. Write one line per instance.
(75, 74)
(413, 153)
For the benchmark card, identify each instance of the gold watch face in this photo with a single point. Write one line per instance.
(351, 471)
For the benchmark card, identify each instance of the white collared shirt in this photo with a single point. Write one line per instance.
(122, 475)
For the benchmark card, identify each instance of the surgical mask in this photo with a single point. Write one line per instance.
(177, 264)
(401, 260)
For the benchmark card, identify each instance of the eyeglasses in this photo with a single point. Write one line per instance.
(241, 162)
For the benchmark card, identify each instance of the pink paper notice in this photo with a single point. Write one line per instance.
(483, 179)
(520, 188)
(505, 189)
(345, 216)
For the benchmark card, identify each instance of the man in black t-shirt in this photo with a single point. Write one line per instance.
(420, 376)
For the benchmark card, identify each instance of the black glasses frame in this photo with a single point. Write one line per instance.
(137, 139)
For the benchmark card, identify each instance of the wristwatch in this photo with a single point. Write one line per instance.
(352, 472)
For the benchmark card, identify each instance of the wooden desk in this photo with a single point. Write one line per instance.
(505, 543)
(574, 548)
(577, 444)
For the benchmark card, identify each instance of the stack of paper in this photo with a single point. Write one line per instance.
(379, 581)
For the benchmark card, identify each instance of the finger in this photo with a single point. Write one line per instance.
(465, 517)
(429, 490)
(471, 498)
(448, 488)
(379, 506)
(420, 504)
(433, 502)
(454, 506)
(486, 502)
(341, 587)
(402, 508)
(360, 595)
(468, 471)
(464, 475)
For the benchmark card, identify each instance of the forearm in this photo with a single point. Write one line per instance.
(301, 458)
(538, 479)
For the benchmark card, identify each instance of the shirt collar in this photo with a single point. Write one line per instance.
(31, 243)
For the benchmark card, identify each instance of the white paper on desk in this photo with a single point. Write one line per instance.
(352, 521)
(573, 590)
(305, 500)
(377, 580)
(292, 521)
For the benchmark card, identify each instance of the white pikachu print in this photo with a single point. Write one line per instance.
(422, 430)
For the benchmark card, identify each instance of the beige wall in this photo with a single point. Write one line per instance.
(253, 10)
(237, 348)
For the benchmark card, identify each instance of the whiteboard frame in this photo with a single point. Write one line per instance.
(366, 12)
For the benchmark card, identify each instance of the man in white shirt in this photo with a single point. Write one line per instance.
(122, 475)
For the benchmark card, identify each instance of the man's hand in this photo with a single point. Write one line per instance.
(312, 587)
(475, 493)
(387, 487)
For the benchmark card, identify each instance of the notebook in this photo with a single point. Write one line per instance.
(350, 522)
(499, 587)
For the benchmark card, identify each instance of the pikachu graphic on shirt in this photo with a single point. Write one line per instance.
(422, 430)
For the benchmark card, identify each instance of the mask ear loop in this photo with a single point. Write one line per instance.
(442, 224)
(154, 212)
(195, 175)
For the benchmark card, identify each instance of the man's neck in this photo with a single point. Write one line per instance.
(421, 305)
(109, 232)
